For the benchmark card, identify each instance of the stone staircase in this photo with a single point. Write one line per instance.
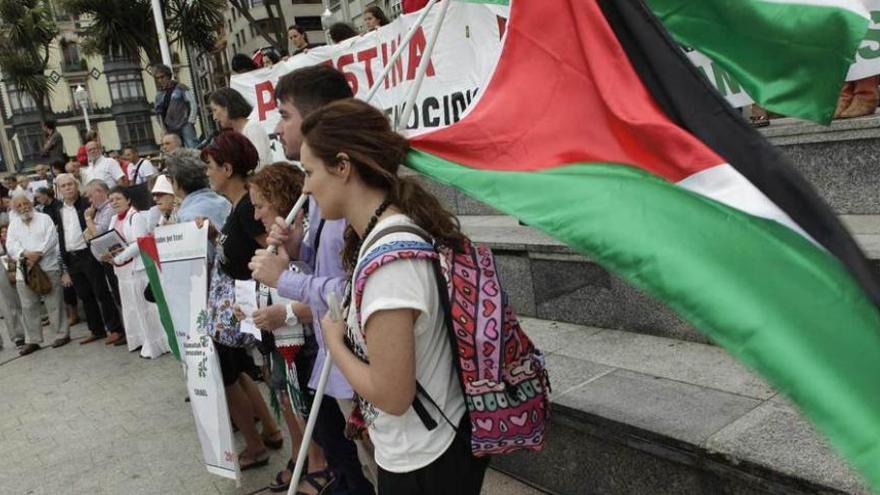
(644, 403)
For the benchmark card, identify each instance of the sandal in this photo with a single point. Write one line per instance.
(274, 440)
(315, 479)
(279, 485)
(257, 461)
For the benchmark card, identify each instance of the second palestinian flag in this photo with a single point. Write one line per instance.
(596, 129)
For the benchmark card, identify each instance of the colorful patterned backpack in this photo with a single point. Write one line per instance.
(503, 377)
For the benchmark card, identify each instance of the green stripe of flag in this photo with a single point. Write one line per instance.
(790, 56)
(161, 303)
(765, 293)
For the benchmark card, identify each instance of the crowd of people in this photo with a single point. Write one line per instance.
(345, 156)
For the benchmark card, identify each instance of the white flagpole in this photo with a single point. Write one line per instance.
(397, 53)
(423, 67)
(336, 314)
(159, 18)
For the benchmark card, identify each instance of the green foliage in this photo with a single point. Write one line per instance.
(27, 29)
(128, 25)
(114, 26)
(196, 22)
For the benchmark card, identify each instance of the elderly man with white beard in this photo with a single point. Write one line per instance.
(32, 237)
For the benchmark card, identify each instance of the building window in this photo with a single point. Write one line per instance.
(309, 22)
(19, 101)
(126, 87)
(118, 54)
(136, 130)
(70, 57)
(30, 141)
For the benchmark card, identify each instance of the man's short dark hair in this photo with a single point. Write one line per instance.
(242, 63)
(235, 104)
(310, 88)
(57, 164)
(50, 124)
(162, 69)
(341, 31)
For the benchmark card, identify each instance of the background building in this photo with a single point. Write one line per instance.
(121, 92)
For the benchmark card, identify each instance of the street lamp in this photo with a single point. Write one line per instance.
(82, 99)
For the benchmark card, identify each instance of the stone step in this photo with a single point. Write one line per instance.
(546, 279)
(839, 160)
(643, 414)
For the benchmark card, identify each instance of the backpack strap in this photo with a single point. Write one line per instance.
(443, 292)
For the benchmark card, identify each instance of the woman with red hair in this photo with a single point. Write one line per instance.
(231, 159)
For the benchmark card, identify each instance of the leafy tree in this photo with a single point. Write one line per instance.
(27, 30)
(128, 25)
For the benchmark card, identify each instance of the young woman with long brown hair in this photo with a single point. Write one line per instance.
(351, 158)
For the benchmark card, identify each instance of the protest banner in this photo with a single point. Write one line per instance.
(184, 257)
(868, 55)
(465, 55)
(729, 88)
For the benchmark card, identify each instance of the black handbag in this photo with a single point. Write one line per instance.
(140, 195)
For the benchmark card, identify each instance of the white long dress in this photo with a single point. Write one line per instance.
(142, 325)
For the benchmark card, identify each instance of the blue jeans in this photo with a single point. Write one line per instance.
(188, 135)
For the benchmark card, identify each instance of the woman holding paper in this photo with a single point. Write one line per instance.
(230, 159)
(273, 191)
(142, 326)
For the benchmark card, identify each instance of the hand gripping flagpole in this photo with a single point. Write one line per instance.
(332, 298)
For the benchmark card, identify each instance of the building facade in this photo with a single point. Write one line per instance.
(121, 92)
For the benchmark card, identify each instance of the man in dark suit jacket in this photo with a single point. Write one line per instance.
(80, 268)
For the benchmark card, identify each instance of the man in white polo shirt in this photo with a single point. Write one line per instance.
(101, 167)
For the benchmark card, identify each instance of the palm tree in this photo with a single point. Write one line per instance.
(124, 26)
(27, 29)
(128, 25)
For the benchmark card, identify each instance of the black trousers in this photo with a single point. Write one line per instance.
(341, 453)
(456, 471)
(102, 314)
(110, 276)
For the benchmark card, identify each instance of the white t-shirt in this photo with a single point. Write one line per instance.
(144, 173)
(106, 169)
(403, 444)
(260, 139)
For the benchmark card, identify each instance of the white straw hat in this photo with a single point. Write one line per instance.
(163, 186)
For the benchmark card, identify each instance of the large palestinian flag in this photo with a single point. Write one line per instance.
(596, 129)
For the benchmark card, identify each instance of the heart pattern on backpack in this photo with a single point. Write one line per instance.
(521, 419)
(486, 424)
(489, 307)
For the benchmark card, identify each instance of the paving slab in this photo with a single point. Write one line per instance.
(688, 362)
(776, 434)
(682, 411)
(550, 336)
